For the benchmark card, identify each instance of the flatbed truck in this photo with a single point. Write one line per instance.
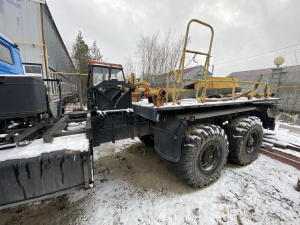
(198, 133)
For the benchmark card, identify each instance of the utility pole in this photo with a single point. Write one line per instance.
(79, 91)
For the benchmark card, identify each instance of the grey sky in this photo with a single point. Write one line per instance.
(242, 28)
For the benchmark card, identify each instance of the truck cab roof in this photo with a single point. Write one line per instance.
(10, 60)
(97, 63)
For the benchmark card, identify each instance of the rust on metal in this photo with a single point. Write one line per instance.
(69, 151)
(105, 64)
(281, 156)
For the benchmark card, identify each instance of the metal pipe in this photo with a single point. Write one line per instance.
(81, 74)
(143, 83)
(157, 92)
(152, 92)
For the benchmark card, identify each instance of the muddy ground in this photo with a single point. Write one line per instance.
(133, 185)
(136, 163)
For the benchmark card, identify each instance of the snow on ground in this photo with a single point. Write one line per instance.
(76, 126)
(133, 185)
(76, 142)
(243, 195)
(260, 193)
(284, 135)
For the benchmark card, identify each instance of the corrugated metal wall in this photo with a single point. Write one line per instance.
(59, 59)
(283, 76)
(20, 21)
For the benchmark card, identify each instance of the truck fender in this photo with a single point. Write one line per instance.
(168, 134)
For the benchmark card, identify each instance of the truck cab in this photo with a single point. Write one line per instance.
(107, 89)
(101, 71)
(21, 97)
(10, 60)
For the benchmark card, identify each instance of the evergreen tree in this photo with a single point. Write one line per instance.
(81, 57)
(95, 52)
(80, 54)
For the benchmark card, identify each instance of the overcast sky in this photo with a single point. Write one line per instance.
(249, 33)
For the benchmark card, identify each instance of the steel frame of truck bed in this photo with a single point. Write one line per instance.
(153, 113)
(167, 124)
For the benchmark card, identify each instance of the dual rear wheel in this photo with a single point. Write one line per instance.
(245, 138)
(205, 149)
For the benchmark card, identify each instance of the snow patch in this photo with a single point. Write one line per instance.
(234, 136)
(194, 137)
(76, 142)
(189, 145)
(240, 129)
(76, 126)
(199, 131)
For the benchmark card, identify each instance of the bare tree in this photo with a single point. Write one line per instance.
(156, 56)
(95, 52)
(129, 66)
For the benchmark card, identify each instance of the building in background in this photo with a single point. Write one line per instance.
(29, 24)
(194, 73)
(188, 73)
(288, 102)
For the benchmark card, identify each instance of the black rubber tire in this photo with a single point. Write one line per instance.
(148, 139)
(245, 136)
(203, 154)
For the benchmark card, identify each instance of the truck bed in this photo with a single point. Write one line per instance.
(145, 109)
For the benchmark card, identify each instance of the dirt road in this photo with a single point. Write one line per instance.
(133, 185)
(134, 162)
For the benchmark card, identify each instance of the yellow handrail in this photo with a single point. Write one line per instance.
(203, 78)
(253, 83)
(167, 88)
(175, 96)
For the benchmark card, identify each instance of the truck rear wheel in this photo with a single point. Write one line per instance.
(245, 137)
(148, 139)
(204, 153)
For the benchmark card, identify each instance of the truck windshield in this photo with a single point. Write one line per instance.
(104, 73)
(100, 74)
(5, 54)
(117, 74)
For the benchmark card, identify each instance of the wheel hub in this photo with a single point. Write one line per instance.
(209, 157)
(251, 143)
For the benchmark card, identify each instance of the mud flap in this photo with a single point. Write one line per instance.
(168, 134)
(23, 179)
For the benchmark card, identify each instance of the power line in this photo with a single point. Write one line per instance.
(259, 59)
(256, 55)
(238, 66)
